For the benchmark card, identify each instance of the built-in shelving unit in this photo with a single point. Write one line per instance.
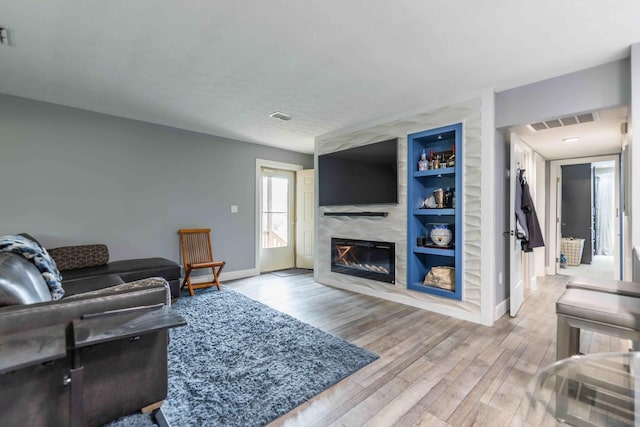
(425, 214)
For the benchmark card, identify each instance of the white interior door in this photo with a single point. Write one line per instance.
(519, 159)
(277, 239)
(305, 209)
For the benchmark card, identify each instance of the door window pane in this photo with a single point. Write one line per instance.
(275, 214)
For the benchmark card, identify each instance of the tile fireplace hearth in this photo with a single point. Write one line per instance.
(364, 258)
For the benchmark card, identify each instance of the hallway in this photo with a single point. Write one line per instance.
(601, 267)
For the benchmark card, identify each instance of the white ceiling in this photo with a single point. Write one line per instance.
(600, 137)
(221, 67)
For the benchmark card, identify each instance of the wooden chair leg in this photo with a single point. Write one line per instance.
(215, 278)
(216, 274)
(150, 408)
(187, 281)
(187, 271)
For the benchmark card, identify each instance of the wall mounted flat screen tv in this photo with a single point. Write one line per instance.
(365, 175)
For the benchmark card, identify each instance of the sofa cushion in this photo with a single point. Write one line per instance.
(88, 284)
(79, 256)
(130, 270)
(137, 269)
(20, 281)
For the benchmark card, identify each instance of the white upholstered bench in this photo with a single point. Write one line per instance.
(598, 311)
(610, 286)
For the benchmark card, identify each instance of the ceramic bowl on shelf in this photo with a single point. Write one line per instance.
(441, 235)
(430, 202)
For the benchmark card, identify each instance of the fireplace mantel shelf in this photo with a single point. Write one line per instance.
(356, 213)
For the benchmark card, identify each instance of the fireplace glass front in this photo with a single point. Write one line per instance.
(364, 258)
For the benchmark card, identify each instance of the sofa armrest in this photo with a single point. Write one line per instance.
(127, 287)
(18, 318)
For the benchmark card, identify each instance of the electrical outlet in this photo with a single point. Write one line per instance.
(234, 209)
(4, 36)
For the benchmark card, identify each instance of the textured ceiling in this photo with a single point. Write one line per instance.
(221, 67)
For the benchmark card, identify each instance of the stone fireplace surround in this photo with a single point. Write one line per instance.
(393, 226)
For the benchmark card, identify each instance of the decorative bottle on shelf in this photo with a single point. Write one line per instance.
(423, 165)
(448, 198)
(452, 159)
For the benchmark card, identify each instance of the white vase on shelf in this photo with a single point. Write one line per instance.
(441, 235)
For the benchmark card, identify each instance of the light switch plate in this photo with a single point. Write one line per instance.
(234, 208)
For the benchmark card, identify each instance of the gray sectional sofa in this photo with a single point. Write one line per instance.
(85, 267)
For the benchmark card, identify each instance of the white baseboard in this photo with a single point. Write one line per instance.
(225, 276)
(239, 274)
(502, 308)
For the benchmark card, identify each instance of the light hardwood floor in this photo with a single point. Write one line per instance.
(433, 370)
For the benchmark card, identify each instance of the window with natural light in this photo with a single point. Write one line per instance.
(275, 212)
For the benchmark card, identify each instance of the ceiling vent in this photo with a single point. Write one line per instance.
(281, 116)
(565, 121)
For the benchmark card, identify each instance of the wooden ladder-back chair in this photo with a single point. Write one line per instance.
(197, 253)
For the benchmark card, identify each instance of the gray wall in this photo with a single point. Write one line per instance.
(502, 219)
(71, 176)
(634, 179)
(604, 86)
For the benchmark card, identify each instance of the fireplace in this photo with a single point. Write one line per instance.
(364, 258)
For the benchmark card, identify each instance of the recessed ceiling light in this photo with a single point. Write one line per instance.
(571, 139)
(281, 116)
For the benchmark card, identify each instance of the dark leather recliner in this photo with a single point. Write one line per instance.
(118, 377)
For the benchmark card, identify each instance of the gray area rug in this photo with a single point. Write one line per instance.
(291, 272)
(241, 363)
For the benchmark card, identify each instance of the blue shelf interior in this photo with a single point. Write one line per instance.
(421, 185)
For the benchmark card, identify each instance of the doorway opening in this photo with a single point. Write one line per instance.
(277, 248)
(588, 220)
(609, 242)
(564, 141)
(284, 216)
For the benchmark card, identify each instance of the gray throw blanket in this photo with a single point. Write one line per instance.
(39, 256)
